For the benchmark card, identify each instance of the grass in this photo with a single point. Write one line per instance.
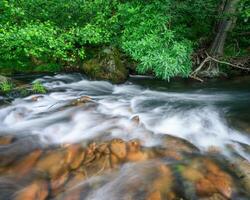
(6, 87)
(37, 87)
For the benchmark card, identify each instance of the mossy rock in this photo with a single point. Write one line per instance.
(4, 79)
(106, 65)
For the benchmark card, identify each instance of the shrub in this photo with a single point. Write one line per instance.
(37, 87)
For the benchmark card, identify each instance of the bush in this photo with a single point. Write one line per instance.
(37, 87)
(6, 87)
(160, 35)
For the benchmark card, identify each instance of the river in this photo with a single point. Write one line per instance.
(212, 119)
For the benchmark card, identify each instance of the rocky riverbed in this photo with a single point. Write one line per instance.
(93, 140)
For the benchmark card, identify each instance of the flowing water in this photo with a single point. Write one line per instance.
(213, 117)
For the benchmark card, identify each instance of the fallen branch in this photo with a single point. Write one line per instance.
(196, 78)
(230, 64)
(200, 66)
(210, 58)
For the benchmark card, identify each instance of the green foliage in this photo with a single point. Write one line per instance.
(160, 35)
(149, 40)
(37, 87)
(6, 87)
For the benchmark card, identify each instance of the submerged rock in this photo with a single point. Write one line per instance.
(5, 140)
(178, 144)
(107, 65)
(241, 167)
(161, 187)
(75, 156)
(208, 178)
(24, 166)
(69, 165)
(53, 164)
(37, 190)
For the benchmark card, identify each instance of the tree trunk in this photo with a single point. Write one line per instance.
(226, 24)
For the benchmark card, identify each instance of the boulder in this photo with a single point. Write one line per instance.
(106, 65)
(53, 164)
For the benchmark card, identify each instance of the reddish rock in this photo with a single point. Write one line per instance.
(53, 163)
(222, 182)
(38, 190)
(26, 164)
(74, 156)
(205, 188)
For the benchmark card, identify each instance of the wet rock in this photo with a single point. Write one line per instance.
(163, 183)
(136, 120)
(90, 154)
(76, 178)
(24, 166)
(156, 195)
(205, 188)
(178, 144)
(57, 183)
(72, 191)
(135, 152)
(221, 180)
(241, 168)
(18, 148)
(136, 156)
(36, 98)
(107, 65)
(75, 156)
(98, 166)
(207, 177)
(53, 163)
(5, 140)
(172, 154)
(192, 174)
(213, 150)
(215, 196)
(38, 190)
(118, 148)
(214, 180)
(81, 101)
(104, 149)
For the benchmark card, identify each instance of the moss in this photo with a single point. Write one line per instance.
(106, 65)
